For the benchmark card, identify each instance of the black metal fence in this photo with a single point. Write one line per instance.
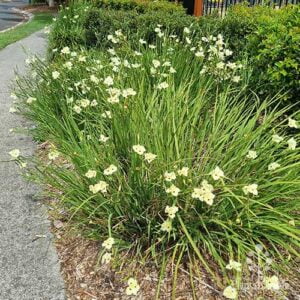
(220, 7)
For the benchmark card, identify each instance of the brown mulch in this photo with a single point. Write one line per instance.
(87, 279)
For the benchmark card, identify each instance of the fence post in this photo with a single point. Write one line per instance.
(198, 8)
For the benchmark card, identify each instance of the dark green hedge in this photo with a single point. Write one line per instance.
(141, 6)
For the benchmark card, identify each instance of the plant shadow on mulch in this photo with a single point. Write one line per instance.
(87, 279)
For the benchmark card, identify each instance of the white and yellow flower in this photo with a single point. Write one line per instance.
(173, 190)
(292, 144)
(217, 173)
(169, 176)
(103, 138)
(204, 193)
(149, 157)
(106, 258)
(133, 287)
(230, 292)
(52, 155)
(234, 265)
(292, 123)
(110, 170)
(272, 283)
(65, 50)
(251, 154)
(90, 174)
(183, 171)
(139, 149)
(171, 211)
(108, 81)
(55, 74)
(101, 186)
(273, 166)
(251, 189)
(108, 243)
(30, 100)
(166, 225)
(276, 138)
(15, 153)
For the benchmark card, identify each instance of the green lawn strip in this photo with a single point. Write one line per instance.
(39, 21)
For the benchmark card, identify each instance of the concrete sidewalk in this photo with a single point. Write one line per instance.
(29, 268)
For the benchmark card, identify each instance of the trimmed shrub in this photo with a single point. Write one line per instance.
(274, 49)
(100, 23)
(270, 38)
(141, 6)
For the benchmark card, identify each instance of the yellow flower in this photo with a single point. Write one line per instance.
(292, 123)
(292, 144)
(55, 74)
(292, 222)
(85, 103)
(251, 154)
(149, 157)
(183, 172)
(110, 170)
(133, 287)
(77, 109)
(204, 193)
(162, 85)
(166, 226)
(217, 173)
(101, 186)
(23, 165)
(139, 149)
(169, 176)
(65, 50)
(108, 243)
(53, 155)
(272, 283)
(251, 189)
(230, 292)
(272, 166)
(276, 138)
(234, 265)
(171, 211)
(15, 153)
(30, 100)
(106, 258)
(91, 174)
(103, 138)
(94, 79)
(108, 81)
(174, 190)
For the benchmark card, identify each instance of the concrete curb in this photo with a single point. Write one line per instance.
(27, 17)
(30, 267)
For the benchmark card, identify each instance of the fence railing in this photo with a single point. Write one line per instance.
(219, 7)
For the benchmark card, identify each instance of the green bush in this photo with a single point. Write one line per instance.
(141, 6)
(270, 39)
(193, 112)
(95, 24)
(100, 23)
(274, 49)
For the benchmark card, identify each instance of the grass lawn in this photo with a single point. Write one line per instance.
(39, 21)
